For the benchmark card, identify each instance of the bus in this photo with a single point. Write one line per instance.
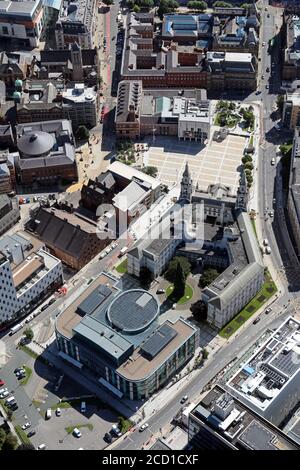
(15, 328)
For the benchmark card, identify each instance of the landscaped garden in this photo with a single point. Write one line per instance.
(187, 296)
(268, 290)
(122, 267)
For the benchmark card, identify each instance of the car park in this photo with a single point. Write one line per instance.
(26, 425)
(76, 433)
(143, 427)
(184, 399)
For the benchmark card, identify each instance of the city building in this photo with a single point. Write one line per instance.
(69, 233)
(9, 213)
(291, 109)
(291, 68)
(43, 100)
(222, 422)
(22, 20)
(160, 62)
(140, 112)
(73, 64)
(46, 153)
(117, 336)
(28, 275)
(76, 23)
(6, 136)
(219, 235)
(293, 201)
(7, 172)
(268, 382)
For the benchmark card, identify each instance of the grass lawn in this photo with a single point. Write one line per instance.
(28, 375)
(122, 267)
(268, 290)
(188, 294)
(70, 429)
(22, 435)
(29, 352)
(254, 227)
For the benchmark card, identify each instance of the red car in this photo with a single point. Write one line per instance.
(2, 382)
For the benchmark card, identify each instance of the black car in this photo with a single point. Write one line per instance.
(18, 369)
(256, 321)
(44, 307)
(31, 433)
(108, 438)
(51, 302)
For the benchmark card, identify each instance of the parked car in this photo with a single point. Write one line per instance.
(48, 413)
(44, 307)
(58, 412)
(51, 301)
(2, 382)
(107, 437)
(143, 427)
(83, 407)
(160, 291)
(42, 447)
(271, 213)
(184, 399)
(116, 430)
(256, 321)
(4, 394)
(268, 310)
(273, 161)
(18, 369)
(76, 432)
(31, 433)
(26, 425)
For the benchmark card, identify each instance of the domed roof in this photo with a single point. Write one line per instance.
(133, 311)
(36, 143)
(16, 95)
(18, 82)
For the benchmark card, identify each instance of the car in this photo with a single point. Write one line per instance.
(4, 394)
(2, 382)
(268, 69)
(31, 433)
(263, 44)
(48, 414)
(174, 306)
(44, 307)
(116, 430)
(18, 369)
(256, 321)
(262, 76)
(107, 437)
(258, 92)
(51, 301)
(143, 427)
(160, 291)
(21, 376)
(273, 161)
(20, 372)
(184, 399)
(102, 255)
(83, 407)
(76, 433)
(26, 425)
(268, 15)
(42, 447)
(267, 87)
(108, 250)
(271, 213)
(114, 245)
(58, 412)
(268, 310)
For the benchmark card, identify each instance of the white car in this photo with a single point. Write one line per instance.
(143, 427)
(114, 245)
(3, 390)
(273, 161)
(103, 255)
(4, 394)
(76, 432)
(58, 412)
(271, 214)
(26, 425)
(263, 44)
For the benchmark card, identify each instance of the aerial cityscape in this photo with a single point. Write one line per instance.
(149, 225)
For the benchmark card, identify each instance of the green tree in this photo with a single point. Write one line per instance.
(280, 103)
(26, 447)
(247, 159)
(10, 442)
(197, 5)
(9, 415)
(150, 170)
(136, 9)
(222, 105)
(82, 133)
(108, 2)
(2, 437)
(205, 353)
(179, 282)
(199, 310)
(170, 274)
(249, 166)
(147, 4)
(167, 6)
(29, 334)
(208, 277)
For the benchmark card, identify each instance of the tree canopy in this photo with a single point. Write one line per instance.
(167, 6)
(29, 334)
(150, 170)
(199, 310)
(208, 277)
(179, 282)
(171, 272)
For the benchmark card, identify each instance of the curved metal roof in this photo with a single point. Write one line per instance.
(133, 311)
(36, 143)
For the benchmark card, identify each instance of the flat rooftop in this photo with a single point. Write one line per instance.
(238, 425)
(139, 367)
(27, 269)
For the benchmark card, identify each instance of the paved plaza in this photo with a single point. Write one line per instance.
(216, 162)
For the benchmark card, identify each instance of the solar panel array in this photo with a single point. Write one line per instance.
(158, 341)
(89, 305)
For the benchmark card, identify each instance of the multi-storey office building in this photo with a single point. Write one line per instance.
(22, 20)
(268, 382)
(9, 212)
(293, 202)
(117, 337)
(76, 23)
(222, 422)
(28, 275)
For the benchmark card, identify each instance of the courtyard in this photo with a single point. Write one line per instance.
(216, 162)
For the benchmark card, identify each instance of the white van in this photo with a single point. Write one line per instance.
(83, 407)
(268, 250)
(48, 413)
(265, 242)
